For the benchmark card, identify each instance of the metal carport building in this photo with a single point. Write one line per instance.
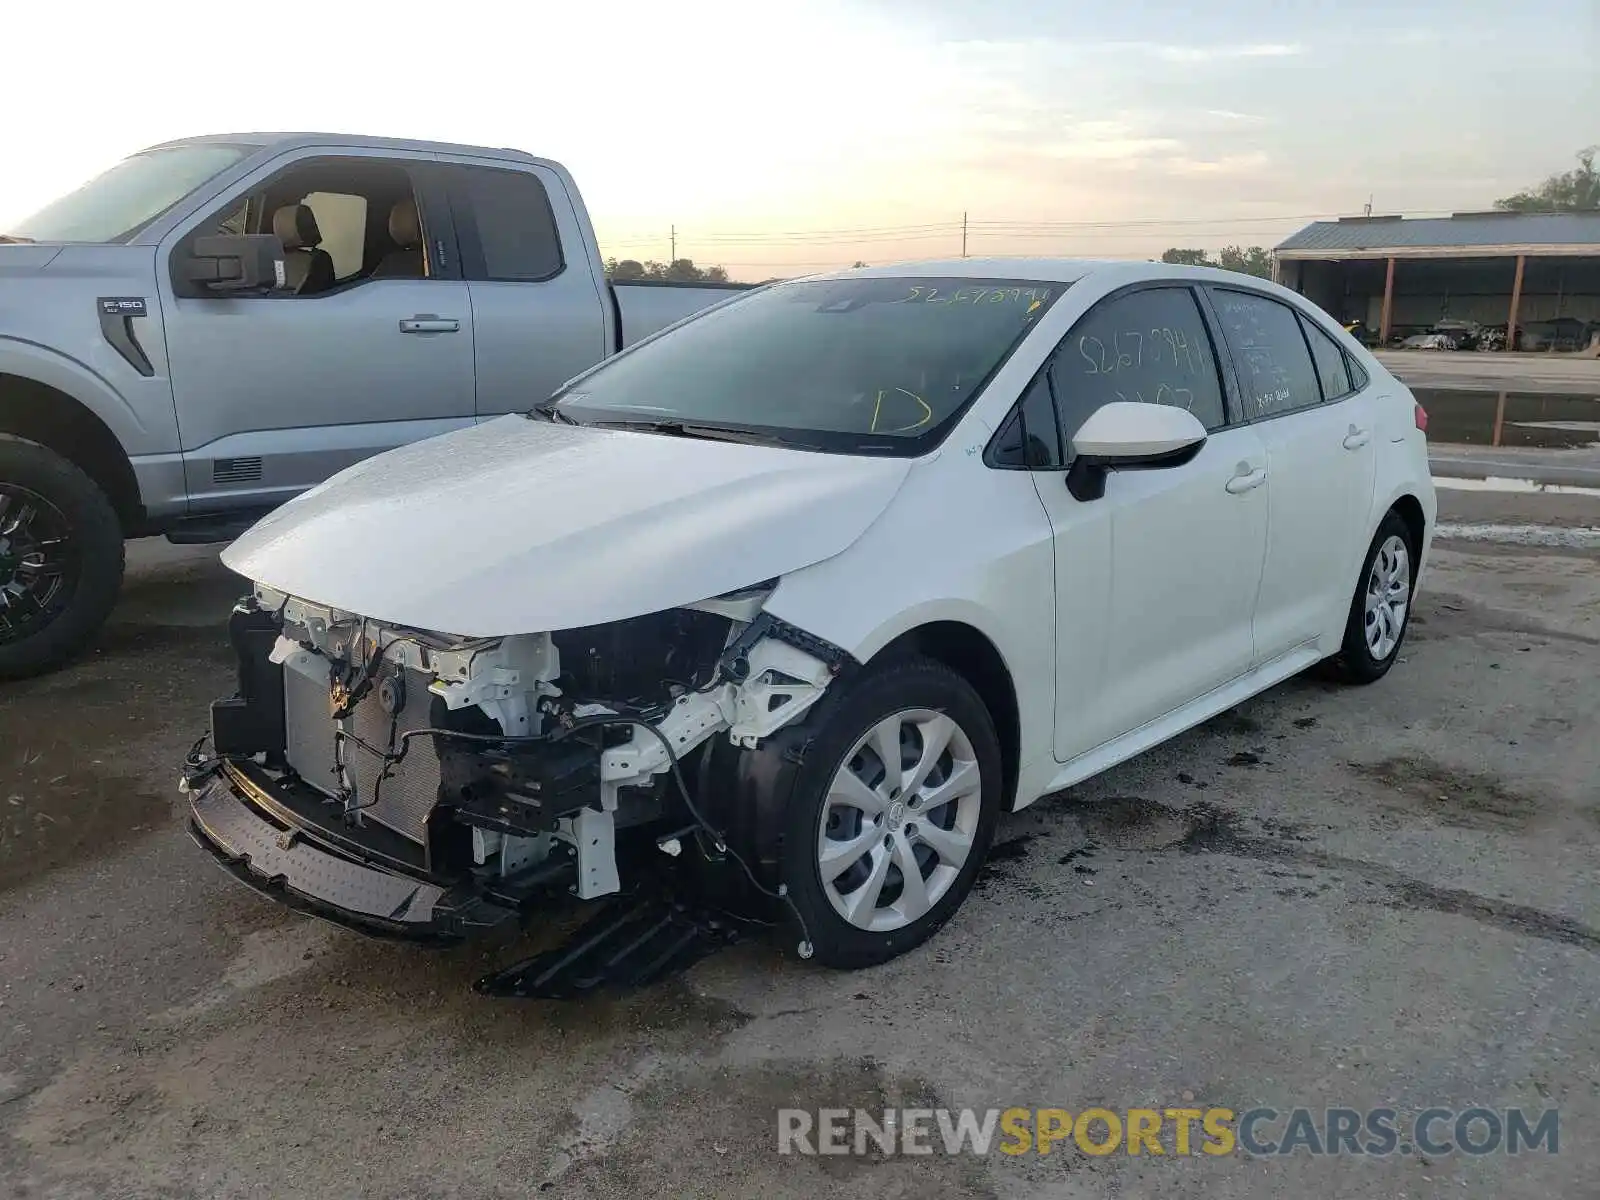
(1401, 275)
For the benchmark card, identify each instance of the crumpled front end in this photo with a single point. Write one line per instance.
(413, 784)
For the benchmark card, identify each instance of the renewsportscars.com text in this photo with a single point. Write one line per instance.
(1176, 1132)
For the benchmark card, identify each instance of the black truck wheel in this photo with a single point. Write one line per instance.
(61, 558)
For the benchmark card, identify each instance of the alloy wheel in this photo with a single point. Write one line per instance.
(36, 567)
(1388, 597)
(900, 820)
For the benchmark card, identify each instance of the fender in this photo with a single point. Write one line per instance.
(1034, 690)
(1403, 461)
(41, 364)
(1423, 494)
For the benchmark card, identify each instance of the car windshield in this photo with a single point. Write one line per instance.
(116, 204)
(857, 365)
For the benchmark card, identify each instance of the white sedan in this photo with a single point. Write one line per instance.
(808, 590)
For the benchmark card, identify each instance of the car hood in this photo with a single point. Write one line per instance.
(25, 258)
(523, 526)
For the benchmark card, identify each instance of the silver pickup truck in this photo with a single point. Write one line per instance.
(217, 324)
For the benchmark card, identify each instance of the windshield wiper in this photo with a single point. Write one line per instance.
(15, 239)
(708, 433)
(552, 411)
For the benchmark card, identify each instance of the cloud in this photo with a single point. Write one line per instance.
(1225, 165)
(1242, 118)
(1109, 149)
(1169, 52)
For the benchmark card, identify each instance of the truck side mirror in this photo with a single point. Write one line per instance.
(227, 262)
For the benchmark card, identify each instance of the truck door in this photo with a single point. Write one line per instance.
(365, 346)
(539, 309)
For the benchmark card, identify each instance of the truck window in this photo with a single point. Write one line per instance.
(506, 226)
(342, 220)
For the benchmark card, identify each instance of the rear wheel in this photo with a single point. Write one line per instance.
(1380, 610)
(61, 558)
(892, 811)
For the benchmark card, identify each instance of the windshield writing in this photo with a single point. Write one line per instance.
(860, 365)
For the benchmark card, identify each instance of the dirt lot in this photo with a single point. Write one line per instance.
(1325, 897)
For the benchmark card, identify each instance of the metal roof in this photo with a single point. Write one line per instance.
(1463, 230)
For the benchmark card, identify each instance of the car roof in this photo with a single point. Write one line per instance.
(1044, 270)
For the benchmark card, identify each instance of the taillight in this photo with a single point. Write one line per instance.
(1422, 418)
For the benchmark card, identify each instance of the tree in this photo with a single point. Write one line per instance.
(1257, 260)
(1253, 260)
(857, 265)
(628, 268)
(680, 270)
(1577, 190)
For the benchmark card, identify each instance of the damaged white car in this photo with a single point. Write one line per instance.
(803, 593)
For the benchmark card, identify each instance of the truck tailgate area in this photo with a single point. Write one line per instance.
(647, 306)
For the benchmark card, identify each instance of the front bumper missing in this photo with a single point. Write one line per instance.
(631, 942)
(260, 844)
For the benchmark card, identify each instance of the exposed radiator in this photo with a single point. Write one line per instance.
(412, 788)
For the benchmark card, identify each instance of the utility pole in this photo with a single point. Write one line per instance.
(674, 256)
(963, 235)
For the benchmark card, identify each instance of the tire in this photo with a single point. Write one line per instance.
(924, 697)
(1366, 655)
(74, 537)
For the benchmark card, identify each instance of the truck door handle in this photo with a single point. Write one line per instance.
(429, 323)
(1246, 481)
(1357, 438)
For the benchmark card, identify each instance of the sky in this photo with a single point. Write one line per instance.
(783, 136)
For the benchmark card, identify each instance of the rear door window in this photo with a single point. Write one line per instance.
(1274, 365)
(506, 225)
(1149, 346)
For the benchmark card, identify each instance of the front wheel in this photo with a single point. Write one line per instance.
(61, 558)
(892, 811)
(1380, 610)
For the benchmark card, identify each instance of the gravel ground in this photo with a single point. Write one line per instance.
(1327, 896)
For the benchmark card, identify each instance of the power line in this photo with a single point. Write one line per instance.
(1079, 237)
(1009, 226)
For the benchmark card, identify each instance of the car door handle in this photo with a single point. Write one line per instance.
(1357, 438)
(1247, 481)
(429, 323)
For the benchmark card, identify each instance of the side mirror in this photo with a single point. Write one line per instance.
(1125, 436)
(227, 262)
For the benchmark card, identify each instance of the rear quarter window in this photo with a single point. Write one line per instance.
(509, 226)
(1333, 369)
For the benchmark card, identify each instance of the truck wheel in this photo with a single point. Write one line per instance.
(61, 558)
(892, 812)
